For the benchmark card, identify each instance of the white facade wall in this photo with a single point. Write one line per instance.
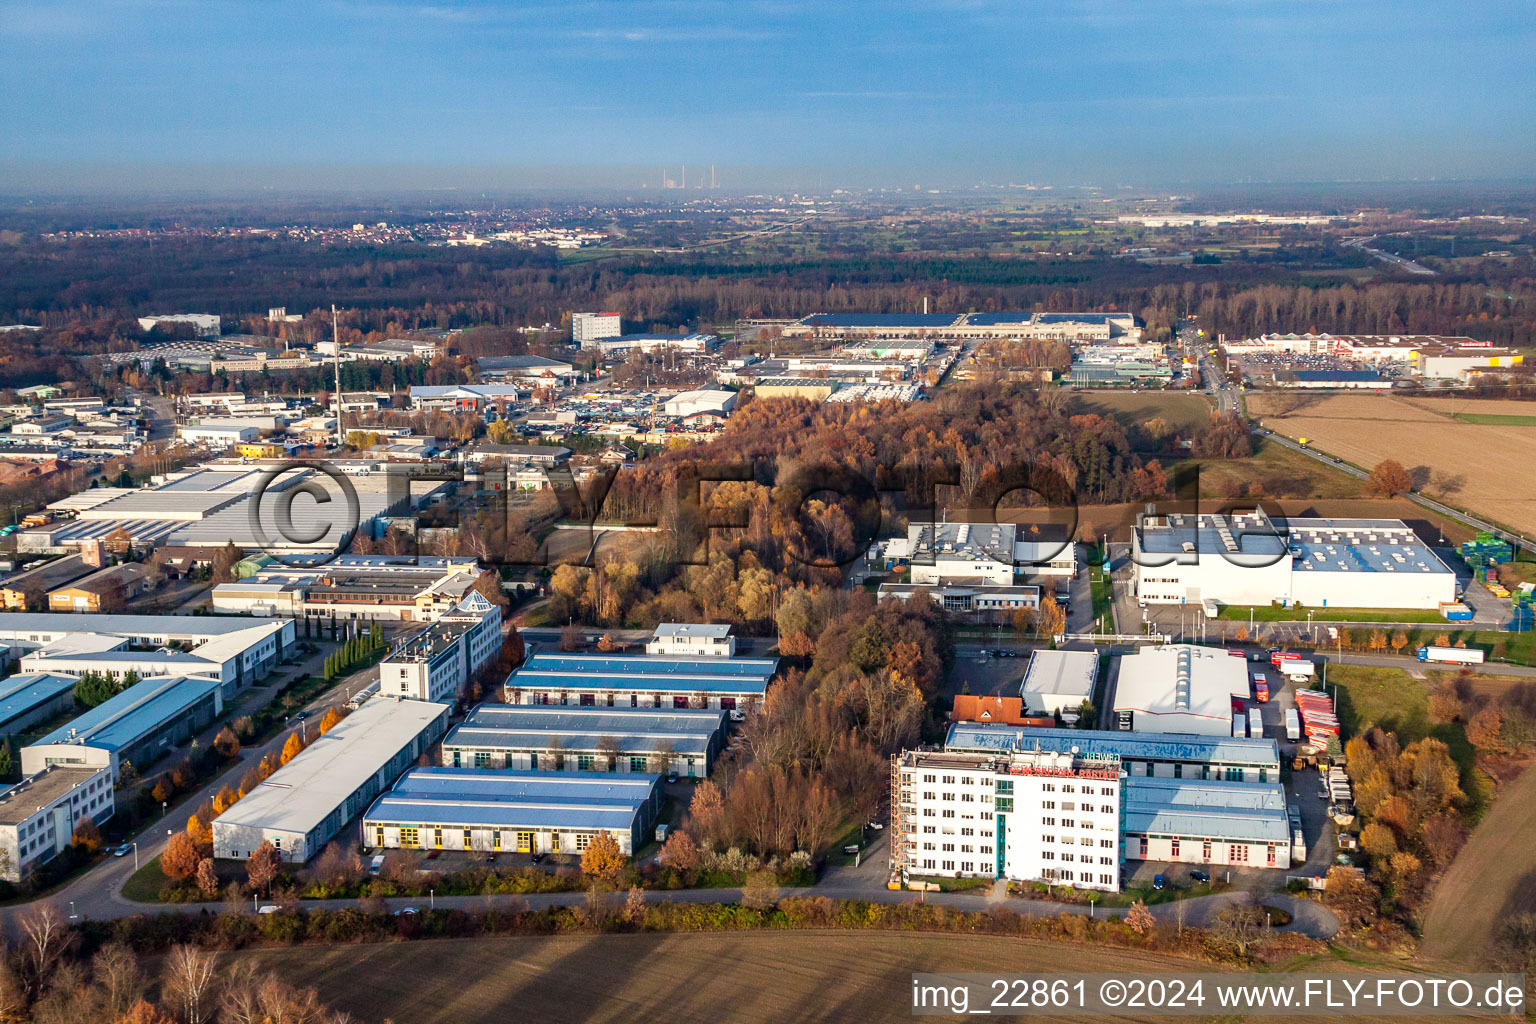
(1212, 577)
(1203, 850)
(994, 572)
(634, 698)
(1417, 590)
(587, 328)
(1062, 829)
(41, 832)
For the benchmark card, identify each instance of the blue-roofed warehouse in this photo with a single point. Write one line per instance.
(644, 681)
(1146, 755)
(137, 725)
(511, 810)
(33, 697)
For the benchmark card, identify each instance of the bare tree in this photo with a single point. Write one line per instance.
(116, 970)
(190, 975)
(44, 939)
(661, 757)
(608, 749)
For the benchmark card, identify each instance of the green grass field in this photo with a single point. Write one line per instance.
(1393, 700)
(1494, 419)
(1274, 613)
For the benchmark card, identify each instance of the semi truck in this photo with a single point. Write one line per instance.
(1452, 655)
(1298, 669)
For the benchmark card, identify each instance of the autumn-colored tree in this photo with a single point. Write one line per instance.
(224, 800)
(161, 791)
(570, 638)
(1399, 640)
(1389, 479)
(329, 720)
(1349, 895)
(607, 644)
(797, 645)
(144, 1012)
(181, 857)
(86, 837)
(1139, 919)
(1052, 620)
(201, 833)
(1443, 836)
(227, 743)
(292, 748)
(1378, 841)
(1486, 728)
(263, 866)
(1444, 705)
(707, 812)
(680, 851)
(603, 858)
(207, 878)
(1241, 634)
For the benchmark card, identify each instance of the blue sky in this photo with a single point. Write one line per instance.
(940, 92)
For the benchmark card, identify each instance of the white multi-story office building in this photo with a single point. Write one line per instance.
(38, 815)
(436, 662)
(588, 328)
(1034, 816)
(692, 639)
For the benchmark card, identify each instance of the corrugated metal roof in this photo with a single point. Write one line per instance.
(644, 672)
(133, 713)
(1147, 746)
(511, 798)
(22, 693)
(1253, 811)
(299, 795)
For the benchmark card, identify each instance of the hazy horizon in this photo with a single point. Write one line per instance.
(348, 94)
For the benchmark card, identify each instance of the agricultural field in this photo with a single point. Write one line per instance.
(1183, 412)
(1278, 471)
(678, 978)
(1484, 885)
(1474, 465)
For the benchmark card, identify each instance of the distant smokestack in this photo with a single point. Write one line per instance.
(925, 305)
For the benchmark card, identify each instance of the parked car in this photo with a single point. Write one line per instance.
(122, 851)
(851, 849)
(1200, 876)
(269, 908)
(300, 716)
(671, 776)
(738, 716)
(1159, 882)
(877, 826)
(406, 910)
(376, 865)
(537, 858)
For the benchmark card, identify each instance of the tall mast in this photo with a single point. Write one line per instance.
(336, 363)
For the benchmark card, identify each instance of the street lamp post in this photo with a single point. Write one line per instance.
(135, 855)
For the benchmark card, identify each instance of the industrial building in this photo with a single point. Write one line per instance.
(33, 697)
(305, 803)
(405, 588)
(1248, 559)
(211, 506)
(204, 325)
(436, 662)
(138, 725)
(601, 680)
(1058, 682)
(1142, 755)
(35, 582)
(556, 737)
(233, 651)
(623, 344)
(969, 567)
(527, 371)
(515, 811)
(1032, 816)
(692, 639)
(1074, 328)
(462, 397)
(103, 590)
(1179, 688)
(220, 433)
(38, 815)
(587, 329)
(1194, 822)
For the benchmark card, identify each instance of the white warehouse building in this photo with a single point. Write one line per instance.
(1248, 559)
(1179, 688)
(1059, 681)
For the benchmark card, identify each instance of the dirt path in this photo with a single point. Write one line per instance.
(1493, 872)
